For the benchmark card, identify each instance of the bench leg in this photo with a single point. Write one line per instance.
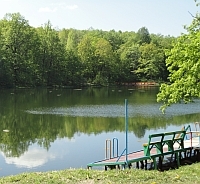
(155, 164)
(160, 162)
(197, 154)
(177, 159)
(137, 165)
(145, 165)
(141, 164)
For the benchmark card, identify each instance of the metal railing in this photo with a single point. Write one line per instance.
(111, 148)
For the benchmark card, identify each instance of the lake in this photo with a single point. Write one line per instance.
(54, 129)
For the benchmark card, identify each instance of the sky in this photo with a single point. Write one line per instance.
(166, 17)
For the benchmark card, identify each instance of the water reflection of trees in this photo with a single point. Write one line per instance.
(43, 130)
(27, 129)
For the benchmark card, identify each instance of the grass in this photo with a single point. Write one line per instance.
(189, 174)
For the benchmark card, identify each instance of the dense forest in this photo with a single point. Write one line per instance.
(47, 56)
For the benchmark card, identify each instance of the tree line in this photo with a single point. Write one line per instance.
(46, 56)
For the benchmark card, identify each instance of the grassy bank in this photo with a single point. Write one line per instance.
(186, 174)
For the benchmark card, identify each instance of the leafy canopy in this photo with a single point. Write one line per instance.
(183, 64)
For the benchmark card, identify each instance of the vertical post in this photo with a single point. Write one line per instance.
(108, 149)
(126, 125)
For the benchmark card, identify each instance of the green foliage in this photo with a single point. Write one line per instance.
(129, 56)
(73, 40)
(45, 56)
(17, 50)
(97, 57)
(184, 65)
(151, 62)
(105, 58)
(86, 54)
(73, 71)
(143, 36)
(63, 36)
(114, 38)
(163, 42)
(52, 56)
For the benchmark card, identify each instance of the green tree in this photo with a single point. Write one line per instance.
(143, 36)
(5, 79)
(129, 37)
(73, 40)
(104, 60)
(164, 42)
(151, 62)
(63, 35)
(97, 57)
(183, 63)
(129, 57)
(52, 56)
(86, 53)
(73, 71)
(114, 38)
(18, 49)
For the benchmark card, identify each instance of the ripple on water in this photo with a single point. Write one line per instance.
(83, 111)
(118, 110)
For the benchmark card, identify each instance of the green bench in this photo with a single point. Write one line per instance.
(162, 144)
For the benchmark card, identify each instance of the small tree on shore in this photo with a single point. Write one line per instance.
(183, 64)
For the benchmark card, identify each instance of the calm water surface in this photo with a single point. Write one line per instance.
(48, 129)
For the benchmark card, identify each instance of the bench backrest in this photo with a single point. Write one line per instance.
(154, 141)
(155, 137)
(173, 140)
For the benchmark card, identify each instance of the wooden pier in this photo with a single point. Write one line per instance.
(139, 160)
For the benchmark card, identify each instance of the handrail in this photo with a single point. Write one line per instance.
(110, 148)
(117, 149)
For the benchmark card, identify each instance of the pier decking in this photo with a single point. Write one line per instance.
(192, 146)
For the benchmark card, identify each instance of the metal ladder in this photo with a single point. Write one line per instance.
(111, 148)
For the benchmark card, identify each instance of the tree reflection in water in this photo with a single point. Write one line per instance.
(41, 117)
